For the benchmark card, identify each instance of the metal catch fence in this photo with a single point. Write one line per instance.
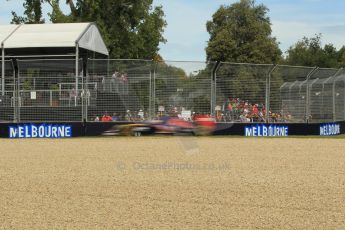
(7, 83)
(47, 90)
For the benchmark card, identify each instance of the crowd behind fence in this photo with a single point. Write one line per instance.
(47, 90)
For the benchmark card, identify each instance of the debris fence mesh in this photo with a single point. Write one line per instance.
(66, 90)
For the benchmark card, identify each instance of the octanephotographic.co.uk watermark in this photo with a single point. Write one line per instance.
(172, 166)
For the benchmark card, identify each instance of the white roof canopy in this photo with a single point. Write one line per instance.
(5, 31)
(86, 35)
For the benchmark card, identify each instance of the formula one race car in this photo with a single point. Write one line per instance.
(203, 125)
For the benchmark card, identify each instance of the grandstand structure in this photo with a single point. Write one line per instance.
(41, 64)
(61, 73)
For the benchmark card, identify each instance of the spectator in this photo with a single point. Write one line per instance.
(106, 118)
(124, 80)
(115, 117)
(128, 116)
(103, 83)
(236, 109)
(141, 115)
(113, 82)
(73, 96)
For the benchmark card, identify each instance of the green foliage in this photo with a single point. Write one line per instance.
(174, 87)
(57, 16)
(168, 80)
(247, 82)
(309, 52)
(241, 32)
(130, 28)
(54, 87)
(33, 13)
(30, 75)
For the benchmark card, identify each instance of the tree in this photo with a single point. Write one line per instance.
(130, 28)
(241, 32)
(309, 52)
(33, 13)
(341, 57)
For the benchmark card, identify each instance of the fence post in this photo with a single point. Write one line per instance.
(150, 95)
(344, 102)
(212, 90)
(307, 105)
(50, 98)
(2, 70)
(154, 89)
(333, 92)
(76, 67)
(86, 94)
(214, 87)
(17, 101)
(268, 93)
(14, 92)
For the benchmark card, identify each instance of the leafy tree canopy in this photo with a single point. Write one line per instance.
(241, 32)
(310, 52)
(130, 28)
(32, 13)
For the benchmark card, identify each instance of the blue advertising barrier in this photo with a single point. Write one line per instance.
(42, 130)
(280, 130)
(331, 129)
(82, 129)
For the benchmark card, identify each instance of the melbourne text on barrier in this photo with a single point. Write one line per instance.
(266, 131)
(40, 131)
(329, 129)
